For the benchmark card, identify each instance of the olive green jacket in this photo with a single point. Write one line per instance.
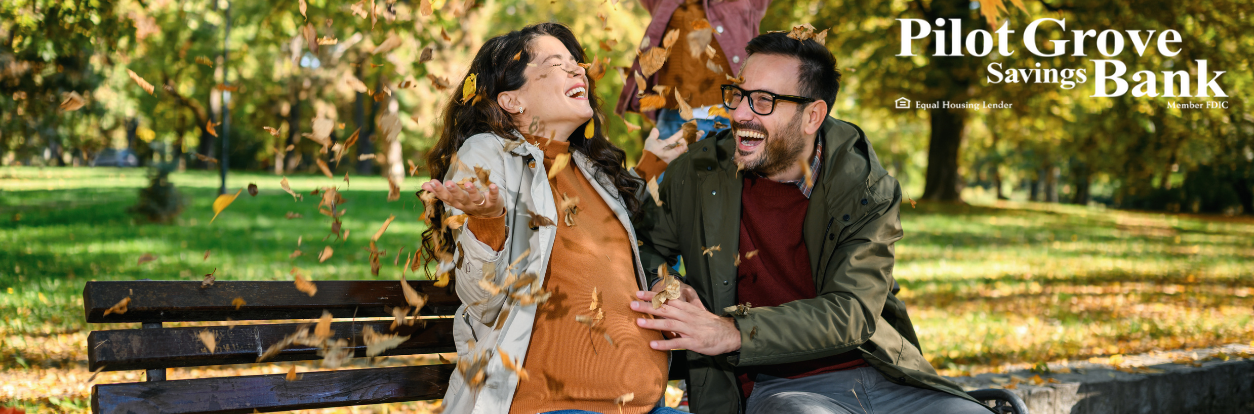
(849, 231)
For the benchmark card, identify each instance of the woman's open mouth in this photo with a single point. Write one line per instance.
(578, 92)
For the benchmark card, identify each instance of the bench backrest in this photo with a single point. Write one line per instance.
(154, 348)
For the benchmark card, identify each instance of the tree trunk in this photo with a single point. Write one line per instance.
(1080, 171)
(293, 124)
(943, 180)
(1051, 183)
(364, 144)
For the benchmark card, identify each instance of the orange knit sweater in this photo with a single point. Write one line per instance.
(572, 366)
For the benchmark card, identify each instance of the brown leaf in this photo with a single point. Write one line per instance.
(821, 37)
(569, 206)
(440, 82)
(204, 61)
(424, 8)
(295, 254)
(238, 302)
(119, 308)
(685, 110)
(713, 67)
(651, 102)
(392, 42)
(326, 254)
(288, 188)
(455, 222)
(444, 35)
(322, 165)
(653, 191)
(640, 83)
(670, 38)
(291, 373)
(303, 6)
(652, 60)
(141, 82)
(311, 37)
(211, 128)
(377, 343)
(671, 284)
(597, 71)
(710, 251)
(425, 56)
(210, 341)
(327, 40)
(252, 189)
(699, 39)
(206, 159)
(73, 101)
(691, 133)
(304, 285)
(209, 279)
(511, 364)
(630, 126)
(737, 80)
(226, 88)
(608, 45)
(145, 258)
(538, 220)
(750, 255)
(415, 299)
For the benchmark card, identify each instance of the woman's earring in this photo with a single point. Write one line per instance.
(521, 110)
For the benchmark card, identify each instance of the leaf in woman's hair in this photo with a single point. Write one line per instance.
(469, 87)
(653, 191)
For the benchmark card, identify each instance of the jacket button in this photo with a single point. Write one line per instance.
(719, 29)
(709, 168)
(705, 149)
(831, 236)
(714, 193)
(864, 201)
(846, 217)
(724, 282)
(735, 59)
(532, 164)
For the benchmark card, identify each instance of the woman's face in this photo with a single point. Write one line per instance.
(556, 90)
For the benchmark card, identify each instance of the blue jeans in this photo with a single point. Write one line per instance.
(658, 410)
(856, 391)
(669, 122)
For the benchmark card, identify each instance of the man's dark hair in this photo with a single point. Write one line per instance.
(817, 77)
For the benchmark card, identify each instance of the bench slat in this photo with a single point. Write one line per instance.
(318, 389)
(134, 349)
(177, 301)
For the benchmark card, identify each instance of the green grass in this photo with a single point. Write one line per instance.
(986, 285)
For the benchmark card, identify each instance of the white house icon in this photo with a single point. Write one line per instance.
(902, 102)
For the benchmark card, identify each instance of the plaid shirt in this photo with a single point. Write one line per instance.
(815, 165)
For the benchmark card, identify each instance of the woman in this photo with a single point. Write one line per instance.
(567, 224)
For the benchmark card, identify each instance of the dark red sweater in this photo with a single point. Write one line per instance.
(771, 220)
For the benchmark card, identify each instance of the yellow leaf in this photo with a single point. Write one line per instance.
(442, 282)
(119, 308)
(469, 87)
(238, 302)
(210, 127)
(323, 329)
(204, 61)
(326, 254)
(415, 299)
(589, 130)
(651, 102)
(718, 110)
(210, 341)
(304, 285)
(559, 163)
(291, 376)
(221, 202)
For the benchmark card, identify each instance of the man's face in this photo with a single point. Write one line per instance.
(768, 144)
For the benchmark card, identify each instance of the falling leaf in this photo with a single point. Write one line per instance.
(204, 61)
(226, 88)
(511, 364)
(624, 399)
(442, 281)
(710, 251)
(291, 373)
(352, 139)
(425, 56)
(355, 83)
(295, 254)
(141, 82)
(671, 287)
(412, 297)
(119, 308)
(685, 110)
(538, 220)
(210, 341)
(211, 128)
(392, 42)
(640, 82)
(670, 38)
(73, 101)
(252, 189)
(303, 6)
(691, 133)
(738, 310)
(444, 35)
(209, 278)
(145, 258)
(713, 67)
(652, 102)
(311, 37)
(377, 343)
(589, 131)
(284, 184)
(293, 215)
(440, 82)
(718, 110)
(327, 40)
(364, 157)
(323, 328)
(653, 191)
(737, 80)
(569, 205)
(206, 159)
(805, 170)
(322, 165)
(394, 191)
(608, 45)
(326, 254)
(821, 37)
(597, 71)
(630, 126)
(559, 163)
(469, 87)
(455, 222)
(750, 255)
(424, 8)
(238, 302)
(304, 285)
(221, 202)
(698, 39)
(652, 60)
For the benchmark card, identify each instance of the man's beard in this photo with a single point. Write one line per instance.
(781, 151)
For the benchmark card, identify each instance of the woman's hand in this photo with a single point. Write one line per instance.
(668, 149)
(468, 198)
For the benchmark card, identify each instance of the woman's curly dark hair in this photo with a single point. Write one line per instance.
(498, 71)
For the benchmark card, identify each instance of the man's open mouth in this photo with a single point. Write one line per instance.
(749, 140)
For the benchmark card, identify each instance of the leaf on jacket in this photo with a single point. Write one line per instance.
(753, 332)
(326, 253)
(323, 328)
(413, 297)
(713, 66)
(671, 290)
(685, 110)
(653, 191)
(711, 53)
(750, 255)
(238, 302)
(140, 81)
(118, 308)
(559, 163)
(221, 202)
(211, 342)
(377, 343)
(485, 176)
(145, 258)
(738, 310)
(304, 285)
(209, 279)
(569, 206)
(512, 364)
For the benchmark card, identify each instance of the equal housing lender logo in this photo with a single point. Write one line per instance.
(904, 103)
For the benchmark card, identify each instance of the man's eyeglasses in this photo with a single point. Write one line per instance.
(760, 102)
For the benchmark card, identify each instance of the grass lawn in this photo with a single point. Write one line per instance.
(987, 285)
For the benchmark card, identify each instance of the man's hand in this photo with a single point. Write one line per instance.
(666, 149)
(699, 330)
(686, 293)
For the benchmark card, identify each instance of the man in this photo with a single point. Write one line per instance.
(787, 305)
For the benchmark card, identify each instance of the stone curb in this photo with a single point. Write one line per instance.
(1211, 386)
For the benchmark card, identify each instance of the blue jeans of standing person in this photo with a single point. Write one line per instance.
(855, 391)
(656, 410)
(669, 122)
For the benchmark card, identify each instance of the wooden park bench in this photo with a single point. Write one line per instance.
(155, 348)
